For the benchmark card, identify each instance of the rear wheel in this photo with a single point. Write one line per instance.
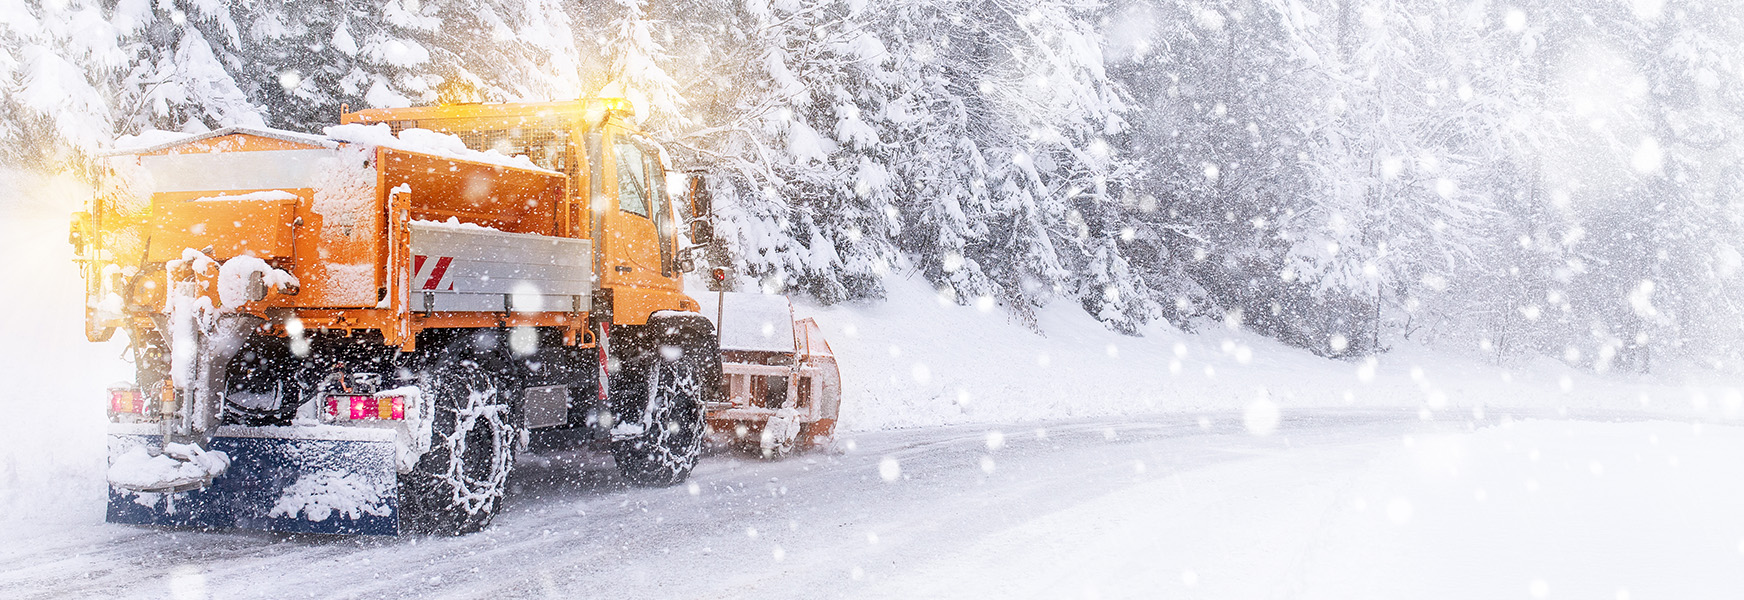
(666, 371)
(458, 485)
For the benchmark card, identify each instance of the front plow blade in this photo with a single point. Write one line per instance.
(324, 479)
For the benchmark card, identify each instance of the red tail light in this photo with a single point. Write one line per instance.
(366, 408)
(126, 400)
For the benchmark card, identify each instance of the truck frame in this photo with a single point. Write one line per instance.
(356, 332)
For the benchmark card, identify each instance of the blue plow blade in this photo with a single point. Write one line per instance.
(299, 479)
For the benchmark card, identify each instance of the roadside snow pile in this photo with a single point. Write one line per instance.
(426, 142)
(916, 360)
(179, 465)
(326, 493)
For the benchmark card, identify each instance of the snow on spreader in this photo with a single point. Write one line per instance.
(781, 389)
(356, 332)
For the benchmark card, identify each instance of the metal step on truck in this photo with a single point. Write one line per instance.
(356, 332)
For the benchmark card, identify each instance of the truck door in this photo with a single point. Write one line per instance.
(638, 252)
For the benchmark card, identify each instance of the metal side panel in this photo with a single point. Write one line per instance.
(430, 301)
(473, 269)
(296, 482)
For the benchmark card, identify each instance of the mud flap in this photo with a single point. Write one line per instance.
(323, 479)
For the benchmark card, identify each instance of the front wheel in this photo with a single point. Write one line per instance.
(666, 371)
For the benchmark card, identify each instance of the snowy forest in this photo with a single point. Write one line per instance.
(1560, 178)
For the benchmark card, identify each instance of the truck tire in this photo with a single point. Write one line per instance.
(458, 485)
(666, 371)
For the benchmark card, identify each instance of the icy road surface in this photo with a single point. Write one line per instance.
(1333, 504)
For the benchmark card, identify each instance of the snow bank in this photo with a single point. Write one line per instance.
(1561, 509)
(916, 360)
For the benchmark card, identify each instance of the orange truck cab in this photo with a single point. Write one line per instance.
(395, 308)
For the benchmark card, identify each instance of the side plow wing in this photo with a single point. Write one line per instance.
(321, 479)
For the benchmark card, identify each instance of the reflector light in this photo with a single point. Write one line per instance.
(126, 401)
(366, 408)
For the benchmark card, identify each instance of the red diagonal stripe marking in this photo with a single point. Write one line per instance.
(437, 272)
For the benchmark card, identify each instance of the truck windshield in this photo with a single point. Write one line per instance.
(632, 179)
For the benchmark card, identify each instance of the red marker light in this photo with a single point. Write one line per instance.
(125, 400)
(720, 273)
(366, 408)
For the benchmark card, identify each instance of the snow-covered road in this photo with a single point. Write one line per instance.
(1349, 503)
(1334, 504)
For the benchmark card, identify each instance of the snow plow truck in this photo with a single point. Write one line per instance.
(356, 332)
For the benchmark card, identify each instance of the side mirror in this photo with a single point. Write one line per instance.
(702, 227)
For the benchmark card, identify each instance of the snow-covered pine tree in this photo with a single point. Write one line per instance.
(636, 71)
(307, 60)
(180, 75)
(58, 67)
(1420, 143)
(1072, 117)
(1223, 94)
(800, 174)
(1647, 96)
(505, 50)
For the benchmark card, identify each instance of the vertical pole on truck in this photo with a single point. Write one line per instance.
(604, 356)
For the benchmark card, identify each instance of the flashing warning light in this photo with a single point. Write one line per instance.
(126, 400)
(366, 408)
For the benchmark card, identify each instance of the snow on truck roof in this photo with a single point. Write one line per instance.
(753, 322)
(153, 141)
(422, 141)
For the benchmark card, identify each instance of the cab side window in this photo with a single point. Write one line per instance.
(632, 178)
